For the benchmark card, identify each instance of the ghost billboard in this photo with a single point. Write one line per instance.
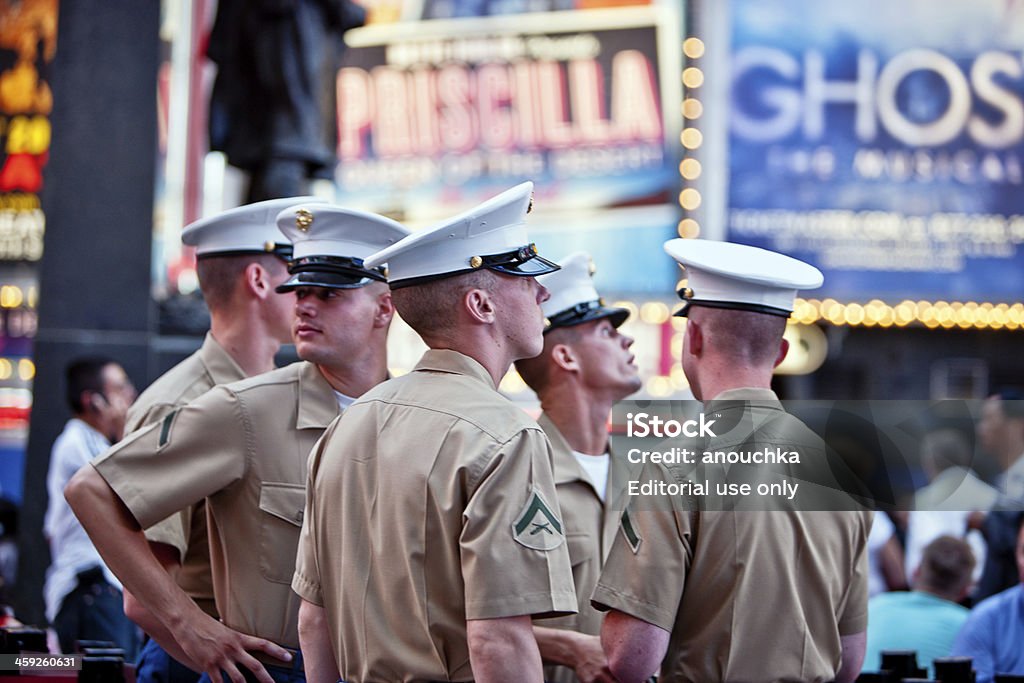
(883, 142)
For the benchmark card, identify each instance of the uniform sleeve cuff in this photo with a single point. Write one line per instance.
(307, 589)
(540, 605)
(605, 598)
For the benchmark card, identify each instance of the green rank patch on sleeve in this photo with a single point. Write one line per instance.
(537, 526)
(165, 428)
(629, 532)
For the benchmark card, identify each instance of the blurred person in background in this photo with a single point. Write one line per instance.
(943, 506)
(83, 598)
(993, 635)
(927, 618)
(1001, 434)
(885, 557)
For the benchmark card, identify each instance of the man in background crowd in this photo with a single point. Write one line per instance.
(83, 599)
(943, 506)
(926, 619)
(994, 630)
(1001, 434)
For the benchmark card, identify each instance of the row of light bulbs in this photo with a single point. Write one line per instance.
(877, 313)
(691, 138)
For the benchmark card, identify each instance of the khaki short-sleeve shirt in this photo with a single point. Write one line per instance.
(747, 596)
(432, 502)
(243, 447)
(186, 531)
(590, 528)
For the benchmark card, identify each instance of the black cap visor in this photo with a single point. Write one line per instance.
(731, 306)
(332, 272)
(585, 312)
(524, 262)
(521, 262)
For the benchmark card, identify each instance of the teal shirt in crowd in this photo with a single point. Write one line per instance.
(912, 621)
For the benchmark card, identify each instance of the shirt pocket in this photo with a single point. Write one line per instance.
(282, 507)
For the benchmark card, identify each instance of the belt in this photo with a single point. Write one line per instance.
(268, 660)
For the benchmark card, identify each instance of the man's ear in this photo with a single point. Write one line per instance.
(783, 350)
(480, 306)
(565, 358)
(694, 338)
(384, 311)
(257, 281)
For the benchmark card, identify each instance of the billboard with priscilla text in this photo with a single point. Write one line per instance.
(434, 116)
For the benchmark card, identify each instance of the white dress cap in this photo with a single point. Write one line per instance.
(247, 229)
(574, 299)
(739, 276)
(331, 242)
(491, 235)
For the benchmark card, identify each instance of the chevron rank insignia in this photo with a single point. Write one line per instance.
(537, 526)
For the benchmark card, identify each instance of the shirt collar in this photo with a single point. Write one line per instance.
(318, 405)
(746, 394)
(219, 364)
(563, 464)
(446, 360)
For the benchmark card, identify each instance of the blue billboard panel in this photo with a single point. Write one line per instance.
(884, 142)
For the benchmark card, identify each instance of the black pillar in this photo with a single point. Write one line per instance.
(94, 294)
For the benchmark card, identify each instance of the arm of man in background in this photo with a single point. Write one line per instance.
(634, 647)
(170, 560)
(317, 655)
(202, 642)
(502, 650)
(853, 657)
(580, 651)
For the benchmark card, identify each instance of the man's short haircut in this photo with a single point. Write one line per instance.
(746, 336)
(84, 374)
(946, 566)
(946, 448)
(219, 275)
(431, 309)
(536, 371)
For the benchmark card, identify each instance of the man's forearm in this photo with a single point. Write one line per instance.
(853, 657)
(118, 538)
(503, 650)
(168, 558)
(315, 640)
(634, 647)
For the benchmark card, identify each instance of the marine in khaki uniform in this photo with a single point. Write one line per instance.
(241, 257)
(736, 596)
(244, 448)
(432, 530)
(586, 366)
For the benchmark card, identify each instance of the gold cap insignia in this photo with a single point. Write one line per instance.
(476, 262)
(303, 219)
(533, 248)
(384, 271)
(687, 293)
(269, 246)
(529, 207)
